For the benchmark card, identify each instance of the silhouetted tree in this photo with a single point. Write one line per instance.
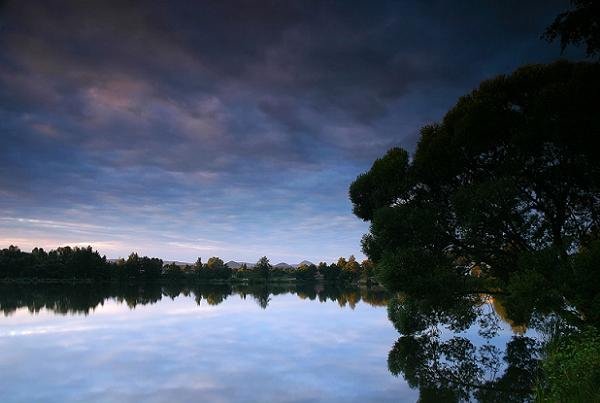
(173, 272)
(263, 267)
(514, 167)
(215, 269)
(306, 272)
(151, 268)
(198, 267)
(331, 272)
(580, 25)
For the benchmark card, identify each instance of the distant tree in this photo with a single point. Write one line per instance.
(351, 271)
(198, 267)
(173, 272)
(263, 267)
(189, 269)
(367, 270)
(215, 268)
(580, 25)
(322, 269)
(306, 272)
(14, 263)
(352, 264)
(330, 273)
(151, 268)
(39, 254)
(132, 267)
(215, 263)
(64, 263)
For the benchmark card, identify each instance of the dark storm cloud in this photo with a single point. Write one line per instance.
(248, 113)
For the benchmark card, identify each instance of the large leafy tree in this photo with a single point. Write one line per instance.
(579, 25)
(513, 168)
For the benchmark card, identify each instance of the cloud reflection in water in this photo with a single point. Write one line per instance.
(175, 350)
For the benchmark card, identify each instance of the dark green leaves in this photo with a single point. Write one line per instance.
(383, 185)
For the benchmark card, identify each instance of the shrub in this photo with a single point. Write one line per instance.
(571, 369)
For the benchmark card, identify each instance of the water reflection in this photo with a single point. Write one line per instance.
(463, 348)
(84, 298)
(204, 343)
(456, 348)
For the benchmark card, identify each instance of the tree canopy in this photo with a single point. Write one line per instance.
(580, 25)
(263, 267)
(513, 168)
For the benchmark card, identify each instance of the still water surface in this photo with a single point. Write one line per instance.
(224, 346)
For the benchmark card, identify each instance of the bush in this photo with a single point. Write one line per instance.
(571, 369)
(585, 282)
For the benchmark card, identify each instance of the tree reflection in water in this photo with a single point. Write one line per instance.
(452, 350)
(83, 298)
(455, 348)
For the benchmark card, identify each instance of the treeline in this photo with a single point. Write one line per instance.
(85, 264)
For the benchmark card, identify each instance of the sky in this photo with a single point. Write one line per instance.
(228, 128)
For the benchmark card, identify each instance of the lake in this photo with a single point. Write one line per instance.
(255, 344)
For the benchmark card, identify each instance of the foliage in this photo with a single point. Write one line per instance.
(419, 271)
(306, 272)
(380, 186)
(214, 269)
(351, 270)
(137, 268)
(580, 25)
(572, 369)
(330, 272)
(505, 190)
(584, 282)
(513, 168)
(84, 264)
(263, 267)
(367, 271)
(62, 263)
(173, 272)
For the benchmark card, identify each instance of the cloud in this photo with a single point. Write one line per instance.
(230, 117)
